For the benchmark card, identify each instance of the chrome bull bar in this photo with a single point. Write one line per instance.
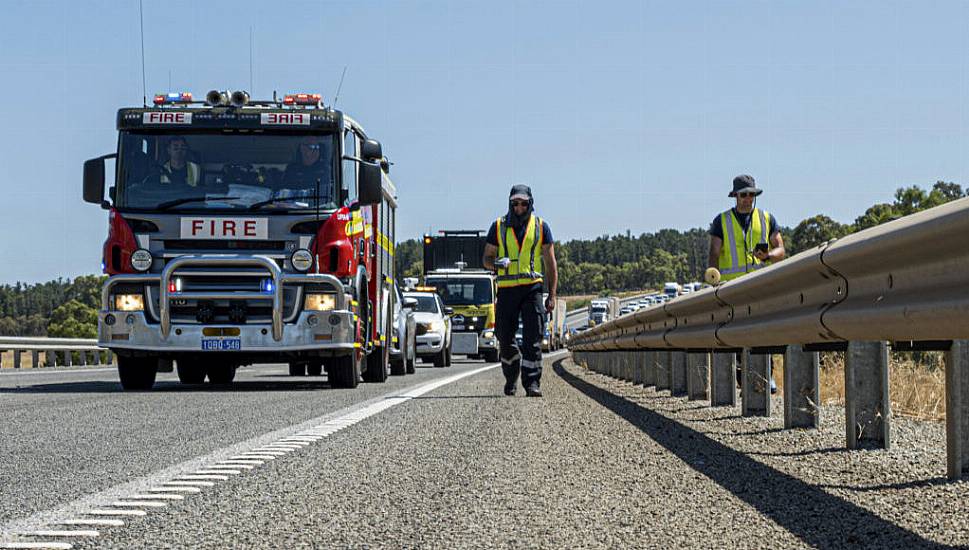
(224, 260)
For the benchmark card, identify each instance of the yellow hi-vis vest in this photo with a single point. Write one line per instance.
(737, 253)
(191, 175)
(526, 257)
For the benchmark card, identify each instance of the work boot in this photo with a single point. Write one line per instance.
(532, 390)
(511, 378)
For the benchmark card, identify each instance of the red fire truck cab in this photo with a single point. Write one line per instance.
(244, 232)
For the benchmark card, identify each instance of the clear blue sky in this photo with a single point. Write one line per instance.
(620, 115)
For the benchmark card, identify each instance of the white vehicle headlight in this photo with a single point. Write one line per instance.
(141, 260)
(129, 302)
(436, 326)
(319, 302)
(302, 260)
(489, 334)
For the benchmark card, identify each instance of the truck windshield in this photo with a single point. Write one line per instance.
(456, 291)
(216, 171)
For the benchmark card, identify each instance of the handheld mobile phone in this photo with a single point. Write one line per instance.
(762, 247)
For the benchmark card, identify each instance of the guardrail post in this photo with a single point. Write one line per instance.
(723, 386)
(68, 358)
(623, 365)
(868, 410)
(957, 409)
(649, 368)
(697, 376)
(35, 359)
(677, 373)
(16, 358)
(802, 395)
(755, 384)
(662, 370)
(82, 358)
(51, 358)
(110, 357)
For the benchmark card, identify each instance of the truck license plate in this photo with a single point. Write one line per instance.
(221, 344)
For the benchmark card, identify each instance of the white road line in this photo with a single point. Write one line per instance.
(157, 496)
(140, 503)
(202, 477)
(94, 521)
(229, 467)
(174, 490)
(117, 512)
(248, 456)
(55, 533)
(42, 545)
(293, 437)
(219, 471)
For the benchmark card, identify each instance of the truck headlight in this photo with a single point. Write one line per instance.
(435, 326)
(302, 260)
(141, 260)
(319, 302)
(489, 334)
(129, 302)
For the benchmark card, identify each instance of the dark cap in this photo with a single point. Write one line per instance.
(520, 192)
(744, 184)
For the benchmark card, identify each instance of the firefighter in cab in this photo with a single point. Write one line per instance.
(520, 249)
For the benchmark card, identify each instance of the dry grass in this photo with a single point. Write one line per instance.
(917, 389)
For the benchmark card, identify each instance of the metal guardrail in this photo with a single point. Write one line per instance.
(903, 284)
(59, 351)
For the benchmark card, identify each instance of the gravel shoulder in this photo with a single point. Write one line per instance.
(597, 463)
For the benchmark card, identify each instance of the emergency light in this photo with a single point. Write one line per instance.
(173, 97)
(302, 99)
(266, 285)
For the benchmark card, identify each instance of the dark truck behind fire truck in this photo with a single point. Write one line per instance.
(452, 265)
(244, 232)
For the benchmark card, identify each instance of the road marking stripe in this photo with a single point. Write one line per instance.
(240, 462)
(56, 533)
(157, 496)
(140, 503)
(47, 545)
(117, 512)
(219, 471)
(202, 477)
(254, 457)
(94, 521)
(174, 490)
(185, 483)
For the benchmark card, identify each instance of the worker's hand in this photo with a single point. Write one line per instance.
(761, 255)
(503, 263)
(550, 303)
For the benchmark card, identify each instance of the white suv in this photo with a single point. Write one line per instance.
(433, 328)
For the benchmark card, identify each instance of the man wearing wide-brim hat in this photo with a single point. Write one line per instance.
(744, 238)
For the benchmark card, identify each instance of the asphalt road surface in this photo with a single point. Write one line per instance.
(442, 459)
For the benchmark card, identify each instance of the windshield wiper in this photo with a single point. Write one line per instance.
(169, 204)
(260, 204)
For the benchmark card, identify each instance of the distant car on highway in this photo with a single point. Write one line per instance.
(433, 328)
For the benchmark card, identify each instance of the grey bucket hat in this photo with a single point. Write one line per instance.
(744, 184)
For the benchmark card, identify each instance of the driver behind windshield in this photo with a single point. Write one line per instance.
(178, 169)
(314, 165)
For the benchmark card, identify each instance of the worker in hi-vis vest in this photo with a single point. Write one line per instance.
(520, 249)
(744, 238)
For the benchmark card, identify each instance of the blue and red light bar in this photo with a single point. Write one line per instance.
(173, 97)
(302, 99)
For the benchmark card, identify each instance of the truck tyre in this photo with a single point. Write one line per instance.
(137, 373)
(297, 369)
(314, 368)
(222, 373)
(191, 372)
(344, 371)
(379, 359)
(411, 365)
(397, 368)
(491, 356)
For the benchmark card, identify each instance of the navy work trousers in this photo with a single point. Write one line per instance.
(521, 302)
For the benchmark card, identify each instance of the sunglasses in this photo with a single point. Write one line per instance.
(519, 203)
(313, 146)
(746, 195)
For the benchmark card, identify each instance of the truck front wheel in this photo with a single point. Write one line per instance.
(491, 356)
(344, 371)
(191, 372)
(137, 373)
(222, 373)
(314, 368)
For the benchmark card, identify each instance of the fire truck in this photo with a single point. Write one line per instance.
(244, 232)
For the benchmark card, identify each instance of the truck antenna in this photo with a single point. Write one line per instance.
(144, 81)
(336, 96)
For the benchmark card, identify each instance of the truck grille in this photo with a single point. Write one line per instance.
(179, 244)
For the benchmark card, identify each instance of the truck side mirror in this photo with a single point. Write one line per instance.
(408, 303)
(94, 180)
(371, 186)
(370, 150)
